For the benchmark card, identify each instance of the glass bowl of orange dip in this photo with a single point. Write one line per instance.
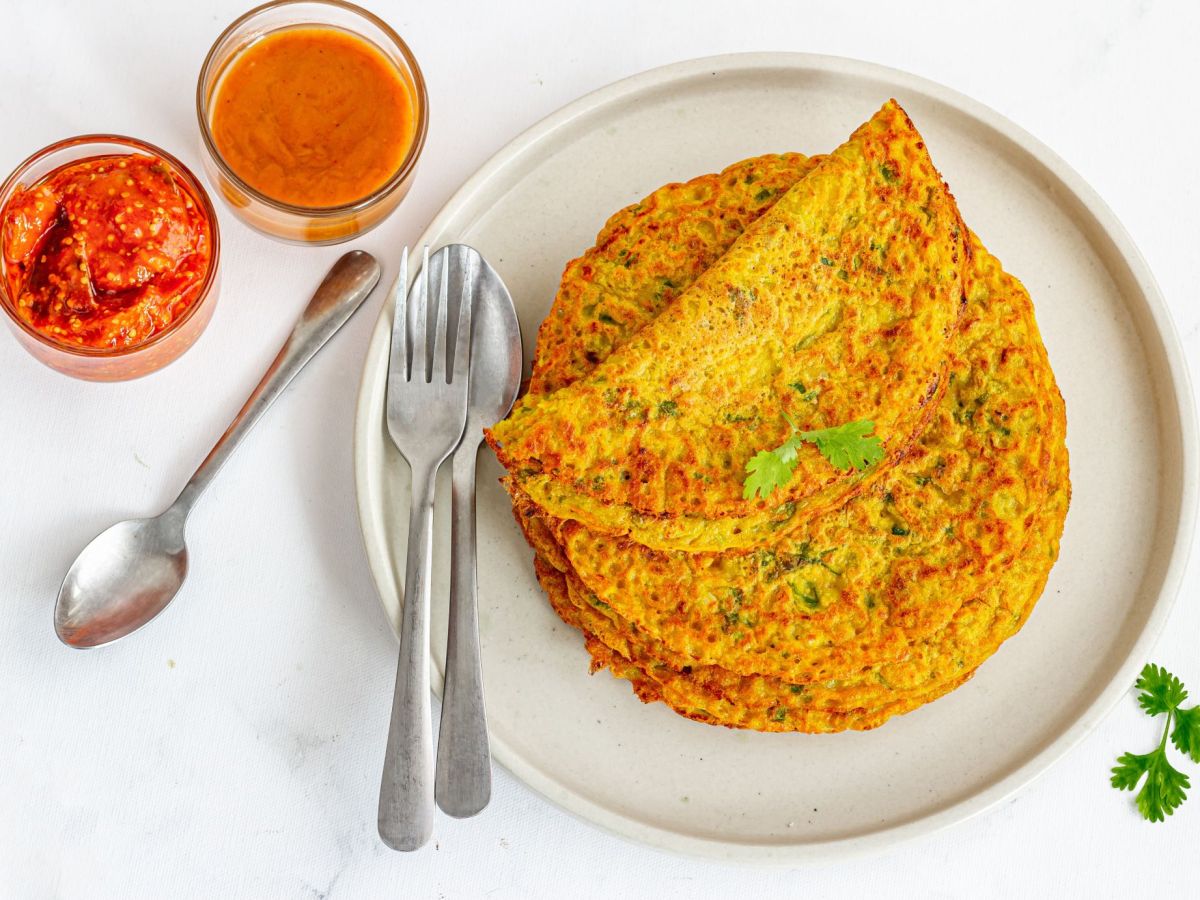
(109, 257)
(312, 116)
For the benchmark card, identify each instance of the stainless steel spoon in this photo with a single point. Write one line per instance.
(129, 573)
(463, 782)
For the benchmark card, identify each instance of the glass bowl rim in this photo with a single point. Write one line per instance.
(13, 181)
(398, 178)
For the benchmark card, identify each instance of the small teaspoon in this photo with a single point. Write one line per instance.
(129, 573)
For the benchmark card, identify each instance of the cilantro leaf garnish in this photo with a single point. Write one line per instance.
(851, 445)
(769, 469)
(1160, 690)
(1186, 736)
(1164, 787)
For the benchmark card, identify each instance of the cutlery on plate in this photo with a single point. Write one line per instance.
(463, 783)
(130, 572)
(426, 412)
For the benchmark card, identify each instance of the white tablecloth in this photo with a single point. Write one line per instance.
(233, 748)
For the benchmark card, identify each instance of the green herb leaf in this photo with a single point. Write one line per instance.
(808, 395)
(849, 446)
(1161, 691)
(770, 469)
(810, 596)
(852, 445)
(1165, 787)
(1129, 770)
(1186, 736)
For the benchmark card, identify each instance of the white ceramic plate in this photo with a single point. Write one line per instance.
(585, 742)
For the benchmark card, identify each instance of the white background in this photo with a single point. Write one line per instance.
(233, 748)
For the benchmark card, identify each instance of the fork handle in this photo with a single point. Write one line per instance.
(463, 784)
(406, 794)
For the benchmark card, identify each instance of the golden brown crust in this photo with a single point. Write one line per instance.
(646, 255)
(858, 586)
(851, 285)
(868, 610)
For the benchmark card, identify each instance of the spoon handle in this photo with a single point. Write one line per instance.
(343, 290)
(463, 784)
(406, 794)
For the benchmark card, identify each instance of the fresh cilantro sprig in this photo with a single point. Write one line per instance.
(846, 446)
(1165, 787)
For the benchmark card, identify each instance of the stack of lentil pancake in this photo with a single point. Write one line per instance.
(710, 320)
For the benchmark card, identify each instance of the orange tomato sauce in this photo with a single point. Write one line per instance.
(313, 116)
(105, 252)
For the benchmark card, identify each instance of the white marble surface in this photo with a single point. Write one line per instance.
(233, 748)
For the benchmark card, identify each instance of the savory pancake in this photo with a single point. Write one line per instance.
(952, 546)
(838, 304)
(858, 585)
(645, 256)
(929, 667)
(1001, 347)
(710, 706)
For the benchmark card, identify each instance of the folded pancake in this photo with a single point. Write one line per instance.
(860, 584)
(933, 667)
(1001, 343)
(838, 304)
(1002, 407)
(646, 255)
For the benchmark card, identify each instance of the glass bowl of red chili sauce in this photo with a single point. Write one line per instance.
(109, 254)
(312, 115)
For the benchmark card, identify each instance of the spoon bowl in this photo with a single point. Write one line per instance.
(124, 578)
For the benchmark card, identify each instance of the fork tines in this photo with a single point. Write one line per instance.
(416, 361)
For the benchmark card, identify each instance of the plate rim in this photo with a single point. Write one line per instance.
(367, 414)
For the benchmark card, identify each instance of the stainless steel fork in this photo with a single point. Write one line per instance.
(426, 413)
